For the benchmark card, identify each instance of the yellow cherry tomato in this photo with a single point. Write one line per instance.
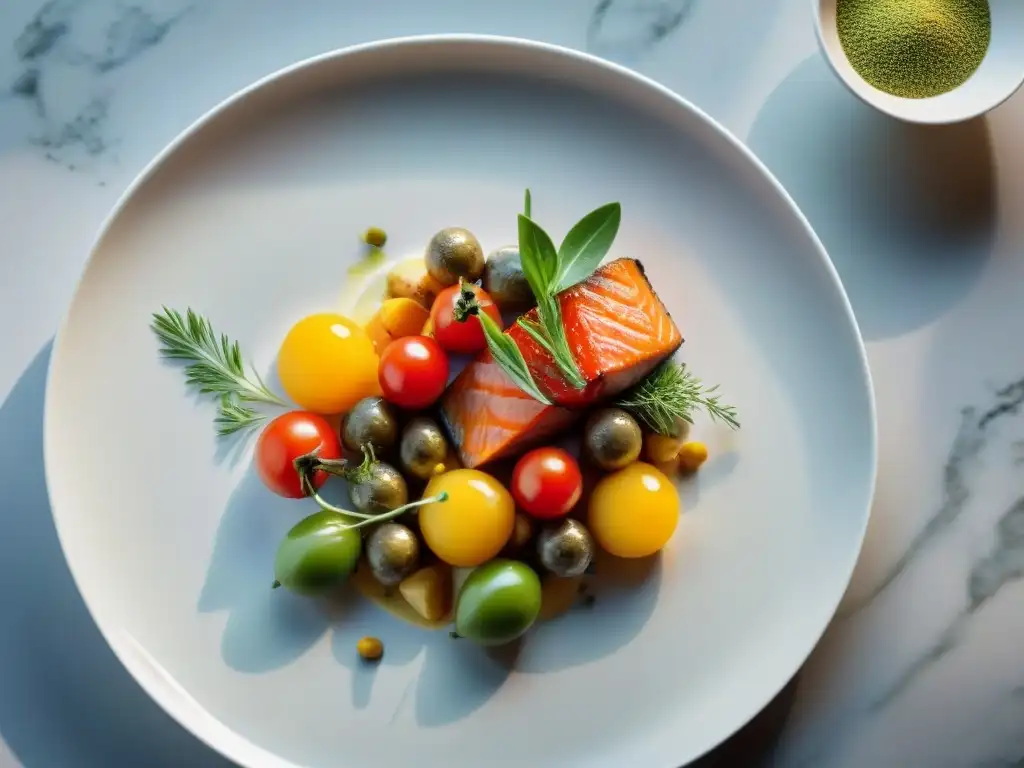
(475, 522)
(633, 512)
(692, 455)
(327, 364)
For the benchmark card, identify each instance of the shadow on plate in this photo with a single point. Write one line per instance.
(755, 743)
(455, 679)
(266, 628)
(624, 589)
(716, 471)
(906, 212)
(65, 699)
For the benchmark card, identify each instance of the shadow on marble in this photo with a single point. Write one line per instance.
(755, 743)
(64, 695)
(906, 212)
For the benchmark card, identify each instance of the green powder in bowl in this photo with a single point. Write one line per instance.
(914, 48)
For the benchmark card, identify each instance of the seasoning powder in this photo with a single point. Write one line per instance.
(914, 48)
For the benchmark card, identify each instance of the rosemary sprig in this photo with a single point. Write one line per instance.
(671, 393)
(233, 417)
(214, 366)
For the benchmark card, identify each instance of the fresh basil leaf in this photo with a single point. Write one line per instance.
(586, 244)
(538, 256)
(506, 354)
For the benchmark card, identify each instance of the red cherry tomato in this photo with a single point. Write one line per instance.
(462, 338)
(413, 372)
(547, 483)
(285, 439)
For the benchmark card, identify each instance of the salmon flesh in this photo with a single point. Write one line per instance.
(618, 331)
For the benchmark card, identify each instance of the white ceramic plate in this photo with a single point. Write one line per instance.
(252, 217)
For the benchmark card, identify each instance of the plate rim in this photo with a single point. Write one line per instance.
(144, 670)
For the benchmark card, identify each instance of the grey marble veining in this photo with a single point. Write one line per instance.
(627, 29)
(77, 43)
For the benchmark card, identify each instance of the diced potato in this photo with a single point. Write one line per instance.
(402, 317)
(661, 449)
(378, 333)
(409, 280)
(429, 591)
(558, 595)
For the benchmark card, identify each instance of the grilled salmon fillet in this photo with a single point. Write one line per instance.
(618, 330)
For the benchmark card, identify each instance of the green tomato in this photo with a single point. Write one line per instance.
(498, 602)
(318, 554)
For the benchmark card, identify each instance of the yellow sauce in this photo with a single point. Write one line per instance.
(366, 286)
(391, 600)
(558, 596)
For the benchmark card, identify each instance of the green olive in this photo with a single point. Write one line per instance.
(393, 552)
(566, 549)
(498, 602)
(453, 253)
(612, 439)
(372, 421)
(504, 280)
(380, 489)
(318, 554)
(423, 448)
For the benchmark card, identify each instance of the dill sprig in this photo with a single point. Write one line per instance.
(671, 393)
(214, 366)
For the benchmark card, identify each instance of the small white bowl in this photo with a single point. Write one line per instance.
(1000, 74)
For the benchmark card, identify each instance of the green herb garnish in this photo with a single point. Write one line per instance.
(503, 348)
(541, 267)
(215, 366)
(671, 393)
(586, 244)
(548, 271)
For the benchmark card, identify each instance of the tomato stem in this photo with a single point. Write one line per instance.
(466, 305)
(310, 490)
(365, 519)
(309, 463)
(336, 467)
(441, 497)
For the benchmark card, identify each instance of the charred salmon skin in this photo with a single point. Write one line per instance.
(618, 330)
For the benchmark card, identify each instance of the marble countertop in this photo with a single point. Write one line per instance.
(923, 665)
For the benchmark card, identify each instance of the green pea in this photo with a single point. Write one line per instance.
(498, 602)
(375, 236)
(318, 554)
